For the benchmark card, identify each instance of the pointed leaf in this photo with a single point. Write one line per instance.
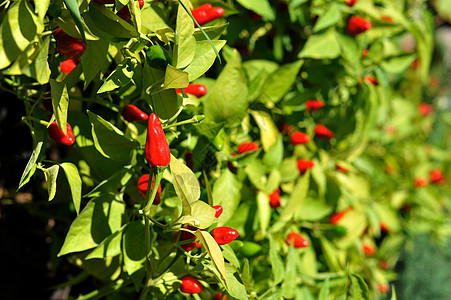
(60, 103)
(74, 179)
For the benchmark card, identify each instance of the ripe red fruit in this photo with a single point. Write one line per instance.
(218, 209)
(207, 13)
(68, 65)
(383, 288)
(387, 19)
(341, 168)
(124, 12)
(143, 183)
(156, 151)
(303, 165)
(425, 109)
(133, 114)
(184, 236)
(369, 250)
(297, 240)
(105, 1)
(437, 176)
(274, 199)
(219, 296)
(190, 285)
(56, 134)
(338, 215)
(298, 138)
(350, 3)
(383, 227)
(247, 147)
(224, 235)
(358, 25)
(371, 80)
(285, 128)
(69, 46)
(323, 132)
(197, 90)
(365, 52)
(420, 182)
(312, 105)
(189, 160)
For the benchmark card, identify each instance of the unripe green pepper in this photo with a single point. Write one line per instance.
(251, 249)
(340, 230)
(157, 57)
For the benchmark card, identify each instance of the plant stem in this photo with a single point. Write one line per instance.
(194, 120)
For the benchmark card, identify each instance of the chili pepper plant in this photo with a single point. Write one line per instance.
(279, 169)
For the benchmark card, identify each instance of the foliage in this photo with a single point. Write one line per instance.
(260, 63)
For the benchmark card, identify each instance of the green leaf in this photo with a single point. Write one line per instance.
(203, 59)
(185, 43)
(36, 157)
(109, 247)
(72, 6)
(117, 180)
(39, 68)
(330, 17)
(398, 64)
(201, 216)
(164, 102)
(109, 140)
(60, 103)
(51, 174)
(185, 184)
(264, 211)
(213, 32)
(227, 193)
(289, 283)
(322, 45)
(109, 23)
(227, 100)
(121, 76)
(261, 7)
(18, 29)
(230, 255)
(359, 288)
(269, 134)
(152, 20)
(274, 156)
(314, 210)
(213, 251)
(324, 292)
(280, 82)
(74, 180)
(273, 182)
(175, 78)
(42, 6)
(94, 58)
(101, 217)
(277, 268)
(295, 202)
(234, 287)
(134, 248)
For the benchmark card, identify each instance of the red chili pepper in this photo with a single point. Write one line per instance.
(286, 129)
(312, 105)
(157, 151)
(219, 296)
(341, 168)
(323, 132)
(224, 235)
(303, 165)
(437, 176)
(58, 135)
(425, 109)
(133, 114)
(218, 209)
(198, 90)
(383, 227)
(420, 182)
(384, 265)
(387, 19)
(143, 183)
(247, 147)
(68, 65)
(189, 160)
(369, 250)
(124, 12)
(337, 216)
(184, 236)
(297, 240)
(274, 199)
(69, 46)
(358, 25)
(190, 285)
(298, 138)
(365, 52)
(371, 80)
(207, 13)
(350, 3)
(383, 288)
